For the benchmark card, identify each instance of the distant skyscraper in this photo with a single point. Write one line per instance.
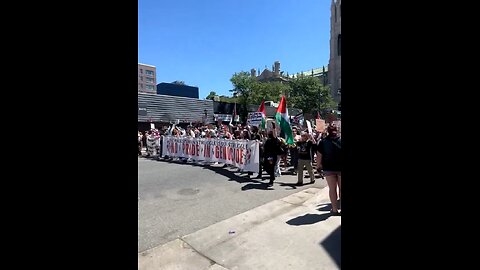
(147, 78)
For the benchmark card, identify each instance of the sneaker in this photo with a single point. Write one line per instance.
(334, 213)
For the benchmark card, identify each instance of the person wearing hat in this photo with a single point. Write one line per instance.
(329, 159)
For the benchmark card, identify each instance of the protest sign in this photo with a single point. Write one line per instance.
(320, 125)
(254, 119)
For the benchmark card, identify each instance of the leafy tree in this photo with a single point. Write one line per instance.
(268, 91)
(211, 95)
(228, 99)
(310, 95)
(302, 92)
(243, 87)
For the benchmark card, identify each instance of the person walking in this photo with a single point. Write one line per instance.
(294, 150)
(329, 159)
(271, 149)
(304, 147)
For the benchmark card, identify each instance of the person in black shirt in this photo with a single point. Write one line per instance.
(329, 160)
(271, 149)
(304, 147)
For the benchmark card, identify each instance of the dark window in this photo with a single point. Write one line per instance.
(335, 13)
(340, 10)
(339, 44)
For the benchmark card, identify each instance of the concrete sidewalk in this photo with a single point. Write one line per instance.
(296, 232)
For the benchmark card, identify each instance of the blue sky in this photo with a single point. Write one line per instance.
(204, 42)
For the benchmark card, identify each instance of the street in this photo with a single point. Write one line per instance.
(176, 199)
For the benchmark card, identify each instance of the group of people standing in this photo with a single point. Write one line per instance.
(327, 152)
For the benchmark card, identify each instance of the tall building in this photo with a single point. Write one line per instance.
(335, 64)
(147, 78)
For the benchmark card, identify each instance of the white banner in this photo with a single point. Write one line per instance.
(239, 153)
(153, 146)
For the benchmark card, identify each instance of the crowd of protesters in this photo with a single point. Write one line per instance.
(319, 149)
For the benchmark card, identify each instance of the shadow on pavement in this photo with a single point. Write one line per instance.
(263, 186)
(293, 186)
(328, 206)
(308, 219)
(254, 183)
(332, 244)
(219, 170)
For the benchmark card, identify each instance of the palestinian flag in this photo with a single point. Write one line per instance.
(264, 113)
(284, 120)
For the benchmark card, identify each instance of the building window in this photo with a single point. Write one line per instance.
(141, 78)
(149, 87)
(340, 10)
(148, 72)
(141, 85)
(339, 44)
(335, 13)
(141, 71)
(149, 80)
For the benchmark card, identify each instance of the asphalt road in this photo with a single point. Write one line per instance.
(175, 199)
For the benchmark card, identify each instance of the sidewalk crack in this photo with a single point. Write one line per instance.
(212, 262)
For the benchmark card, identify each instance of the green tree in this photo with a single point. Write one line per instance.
(268, 91)
(228, 99)
(310, 95)
(211, 95)
(243, 87)
(302, 92)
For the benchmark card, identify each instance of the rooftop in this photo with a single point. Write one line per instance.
(316, 71)
(146, 65)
